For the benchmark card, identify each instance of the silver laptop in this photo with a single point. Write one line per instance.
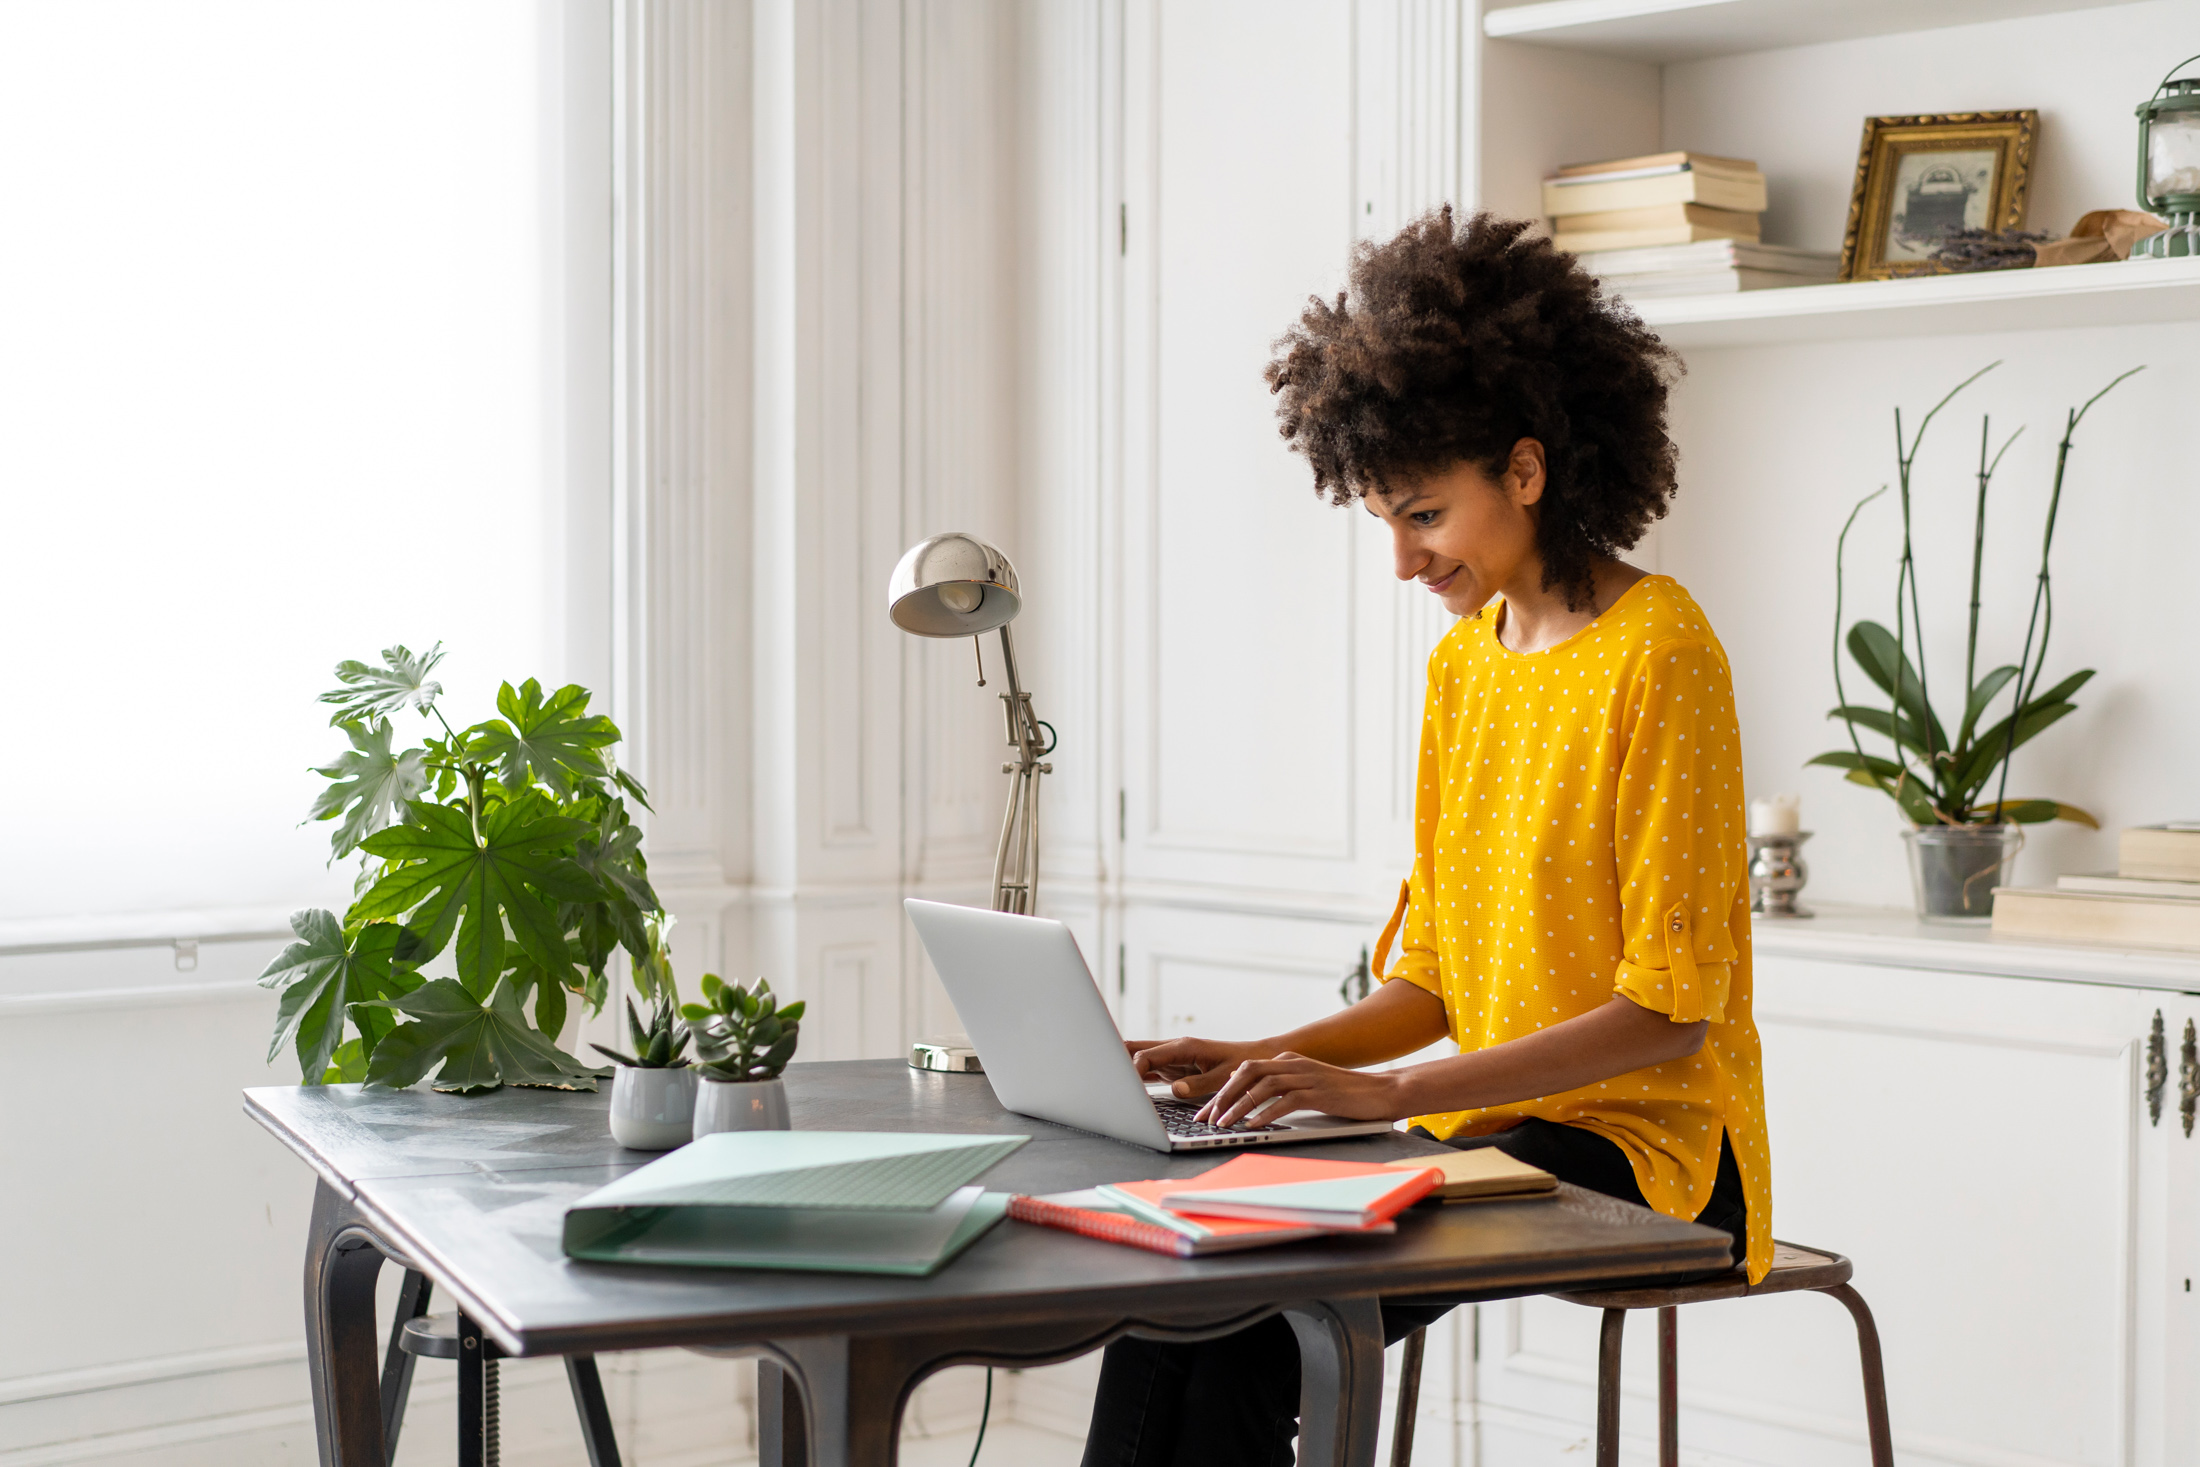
(1050, 1049)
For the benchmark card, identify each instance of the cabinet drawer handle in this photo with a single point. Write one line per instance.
(2157, 1069)
(2188, 1077)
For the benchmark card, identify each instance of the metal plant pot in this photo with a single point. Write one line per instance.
(1955, 868)
(741, 1105)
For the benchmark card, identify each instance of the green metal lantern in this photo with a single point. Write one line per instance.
(2169, 163)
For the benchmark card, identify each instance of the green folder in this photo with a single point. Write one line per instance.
(837, 1201)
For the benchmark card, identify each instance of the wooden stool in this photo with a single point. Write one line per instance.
(1794, 1269)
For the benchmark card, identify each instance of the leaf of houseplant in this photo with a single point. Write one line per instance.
(439, 873)
(371, 783)
(1861, 767)
(555, 742)
(1900, 730)
(1982, 695)
(370, 692)
(321, 975)
(1883, 661)
(1979, 761)
(480, 1045)
(2032, 812)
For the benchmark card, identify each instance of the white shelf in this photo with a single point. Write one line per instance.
(1663, 31)
(2120, 293)
(1893, 937)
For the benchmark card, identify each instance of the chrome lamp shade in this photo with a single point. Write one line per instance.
(953, 585)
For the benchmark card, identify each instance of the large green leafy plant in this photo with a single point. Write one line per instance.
(1936, 779)
(507, 844)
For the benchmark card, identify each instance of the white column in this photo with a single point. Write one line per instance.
(680, 437)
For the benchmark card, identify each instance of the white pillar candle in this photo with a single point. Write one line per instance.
(1777, 815)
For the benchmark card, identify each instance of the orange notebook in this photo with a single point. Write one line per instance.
(1090, 1214)
(1291, 1189)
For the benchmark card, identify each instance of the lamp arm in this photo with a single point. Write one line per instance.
(1016, 859)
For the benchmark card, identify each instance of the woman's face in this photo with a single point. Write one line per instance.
(1465, 535)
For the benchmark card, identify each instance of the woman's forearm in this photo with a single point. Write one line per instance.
(1394, 1020)
(1616, 1038)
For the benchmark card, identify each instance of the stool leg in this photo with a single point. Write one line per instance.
(603, 1442)
(1608, 1342)
(1875, 1373)
(1409, 1398)
(1669, 1387)
(397, 1362)
(476, 1383)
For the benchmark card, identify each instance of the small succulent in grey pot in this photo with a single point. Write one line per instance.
(743, 1039)
(653, 1088)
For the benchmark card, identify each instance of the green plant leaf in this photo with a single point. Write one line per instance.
(370, 692)
(1900, 730)
(1981, 760)
(438, 873)
(550, 1007)
(555, 742)
(2033, 812)
(1982, 695)
(1861, 767)
(371, 782)
(1915, 802)
(480, 1045)
(321, 976)
(2060, 693)
(348, 1066)
(1882, 658)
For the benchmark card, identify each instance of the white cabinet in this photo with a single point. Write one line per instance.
(1981, 1146)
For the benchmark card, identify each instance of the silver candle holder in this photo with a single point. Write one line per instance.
(1777, 874)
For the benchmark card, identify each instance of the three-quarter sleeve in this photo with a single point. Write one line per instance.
(1413, 921)
(1677, 827)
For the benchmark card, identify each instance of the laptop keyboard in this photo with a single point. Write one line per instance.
(1178, 1118)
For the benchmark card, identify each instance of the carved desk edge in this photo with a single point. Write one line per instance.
(1170, 1308)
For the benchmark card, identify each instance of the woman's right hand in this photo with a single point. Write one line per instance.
(1198, 1067)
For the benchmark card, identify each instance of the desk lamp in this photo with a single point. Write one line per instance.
(956, 585)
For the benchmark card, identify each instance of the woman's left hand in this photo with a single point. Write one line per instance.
(1260, 1091)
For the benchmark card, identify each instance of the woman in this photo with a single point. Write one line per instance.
(1577, 919)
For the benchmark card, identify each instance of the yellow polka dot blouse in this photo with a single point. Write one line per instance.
(1579, 832)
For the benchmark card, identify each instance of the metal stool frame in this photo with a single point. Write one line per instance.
(414, 1333)
(1795, 1269)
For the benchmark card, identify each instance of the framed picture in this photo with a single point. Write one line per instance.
(1917, 178)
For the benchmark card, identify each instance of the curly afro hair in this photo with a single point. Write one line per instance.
(1452, 344)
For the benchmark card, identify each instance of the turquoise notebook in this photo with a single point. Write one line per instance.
(838, 1201)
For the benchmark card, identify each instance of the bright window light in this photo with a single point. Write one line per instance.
(280, 383)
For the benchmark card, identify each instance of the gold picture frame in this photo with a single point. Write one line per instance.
(1917, 177)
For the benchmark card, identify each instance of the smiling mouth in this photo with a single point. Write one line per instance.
(1438, 586)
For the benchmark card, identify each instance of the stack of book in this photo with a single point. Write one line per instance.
(1712, 267)
(1662, 199)
(1252, 1201)
(1674, 224)
(2152, 900)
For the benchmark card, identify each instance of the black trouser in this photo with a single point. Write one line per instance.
(1234, 1401)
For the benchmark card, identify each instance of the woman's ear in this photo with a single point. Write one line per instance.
(1524, 477)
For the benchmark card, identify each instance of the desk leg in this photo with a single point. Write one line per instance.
(781, 1437)
(342, 1265)
(852, 1393)
(1340, 1380)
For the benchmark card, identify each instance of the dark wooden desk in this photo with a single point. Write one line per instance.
(472, 1191)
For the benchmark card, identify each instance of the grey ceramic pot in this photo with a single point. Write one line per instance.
(652, 1110)
(740, 1105)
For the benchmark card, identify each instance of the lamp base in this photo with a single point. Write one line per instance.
(949, 1053)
